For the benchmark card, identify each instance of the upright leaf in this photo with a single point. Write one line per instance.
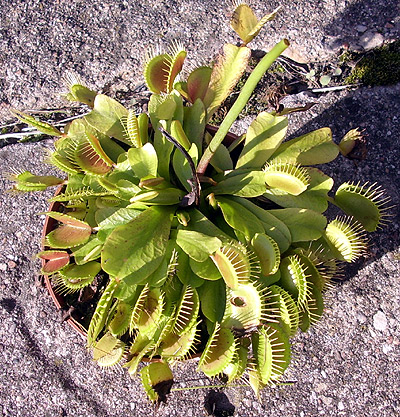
(143, 160)
(245, 23)
(226, 73)
(263, 136)
(106, 117)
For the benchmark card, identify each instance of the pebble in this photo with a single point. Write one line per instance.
(380, 321)
(361, 317)
(361, 28)
(321, 387)
(370, 40)
(323, 373)
(11, 264)
(3, 267)
(326, 400)
(340, 405)
(386, 348)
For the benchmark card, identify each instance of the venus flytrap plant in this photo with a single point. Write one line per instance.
(198, 251)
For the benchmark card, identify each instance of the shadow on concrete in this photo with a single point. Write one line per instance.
(50, 368)
(375, 112)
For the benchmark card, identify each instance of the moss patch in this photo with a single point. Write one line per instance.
(378, 67)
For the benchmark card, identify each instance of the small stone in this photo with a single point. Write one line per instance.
(386, 348)
(361, 317)
(11, 264)
(361, 28)
(3, 267)
(340, 405)
(247, 402)
(321, 387)
(380, 321)
(326, 400)
(370, 40)
(323, 373)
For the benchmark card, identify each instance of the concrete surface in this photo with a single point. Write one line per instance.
(349, 365)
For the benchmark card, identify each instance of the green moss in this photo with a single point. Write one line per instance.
(379, 67)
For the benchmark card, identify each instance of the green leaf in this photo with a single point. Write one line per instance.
(26, 181)
(143, 125)
(243, 184)
(267, 251)
(273, 227)
(43, 127)
(206, 270)
(100, 315)
(304, 224)
(88, 270)
(218, 353)
(72, 232)
(212, 299)
(271, 351)
(89, 251)
(200, 223)
(194, 123)
(163, 107)
(55, 260)
(226, 73)
(135, 250)
(313, 148)
(164, 149)
(314, 198)
(239, 218)
(179, 134)
(106, 117)
(81, 94)
(325, 80)
(197, 245)
(245, 23)
(221, 159)
(181, 165)
(143, 160)
(117, 218)
(197, 83)
(364, 202)
(263, 136)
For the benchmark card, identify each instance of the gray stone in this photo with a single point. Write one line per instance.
(370, 40)
(361, 28)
